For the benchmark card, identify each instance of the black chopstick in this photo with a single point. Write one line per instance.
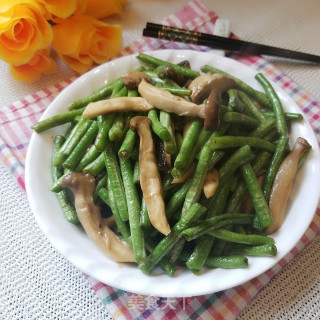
(159, 31)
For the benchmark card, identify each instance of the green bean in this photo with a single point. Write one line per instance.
(198, 178)
(74, 137)
(122, 225)
(259, 96)
(80, 149)
(136, 172)
(116, 183)
(178, 91)
(241, 119)
(116, 131)
(188, 144)
(207, 225)
(68, 209)
(261, 250)
(127, 144)
(249, 103)
(168, 242)
(275, 103)
(137, 239)
(263, 129)
(227, 262)
(96, 166)
(176, 251)
(105, 123)
(263, 215)
(97, 95)
(238, 141)
(56, 120)
(276, 160)
(56, 185)
(251, 239)
(289, 115)
(170, 145)
(102, 183)
(189, 73)
(164, 264)
(89, 157)
(158, 128)
(144, 216)
(177, 199)
(104, 195)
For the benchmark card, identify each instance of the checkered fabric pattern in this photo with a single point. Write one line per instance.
(17, 118)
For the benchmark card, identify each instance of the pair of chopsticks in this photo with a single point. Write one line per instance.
(159, 31)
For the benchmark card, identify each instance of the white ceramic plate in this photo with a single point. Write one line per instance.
(73, 243)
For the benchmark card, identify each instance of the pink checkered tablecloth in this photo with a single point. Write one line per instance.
(17, 118)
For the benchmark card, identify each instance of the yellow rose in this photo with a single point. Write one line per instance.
(103, 8)
(41, 62)
(64, 8)
(81, 41)
(23, 31)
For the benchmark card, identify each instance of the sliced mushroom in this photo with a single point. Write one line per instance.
(166, 101)
(203, 85)
(211, 183)
(149, 175)
(283, 182)
(82, 186)
(212, 111)
(120, 104)
(132, 79)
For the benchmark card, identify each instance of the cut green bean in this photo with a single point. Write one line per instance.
(89, 157)
(249, 103)
(241, 119)
(275, 103)
(97, 95)
(251, 239)
(127, 144)
(158, 128)
(170, 145)
(276, 160)
(189, 73)
(137, 238)
(239, 141)
(56, 120)
(168, 242)
(81, 148)
(96, 166)
(227, 262)
(122, 225)
(188, 144)
(116, 183)
(105, 123)
(67, 207)
(207, 225)
(74, 137)
(263, 215)
(268, 250)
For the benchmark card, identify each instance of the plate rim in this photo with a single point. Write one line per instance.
(67, 255)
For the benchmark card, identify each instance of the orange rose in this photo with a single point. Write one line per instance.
(81, 41)
(41, 62)
(103, 8)
(23, 31)
(64, 8)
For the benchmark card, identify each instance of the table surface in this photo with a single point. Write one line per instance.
(25, 290)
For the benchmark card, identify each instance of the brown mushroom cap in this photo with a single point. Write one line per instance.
(203, 85)
(212, 111)
(132, 79)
